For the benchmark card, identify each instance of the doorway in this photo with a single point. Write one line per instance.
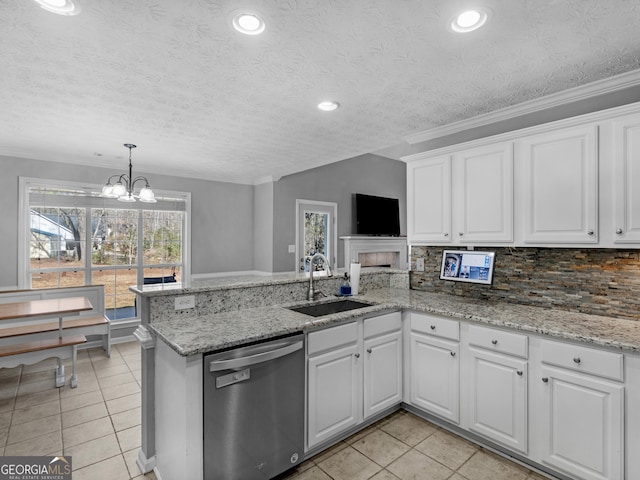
(316, 232)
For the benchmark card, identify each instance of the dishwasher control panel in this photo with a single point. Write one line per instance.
(233, 377)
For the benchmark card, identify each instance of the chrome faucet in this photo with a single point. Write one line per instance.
(327, 267)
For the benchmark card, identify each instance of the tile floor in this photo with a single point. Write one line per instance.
(98, 423)
(406, 447)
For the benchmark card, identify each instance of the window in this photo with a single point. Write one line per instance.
(75, 237)
(316, 232)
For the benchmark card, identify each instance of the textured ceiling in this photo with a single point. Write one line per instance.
(204, 101)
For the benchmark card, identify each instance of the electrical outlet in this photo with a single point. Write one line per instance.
(292, 249)
(419, 264)
(188, 301)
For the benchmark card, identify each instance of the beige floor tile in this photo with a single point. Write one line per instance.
(23, 401)
(380, 447)
(536, 476)
(130, 458)
(44, 365)
(313, 473)
(9, 373)
(39, 386)
(127, 419)
(409, 429)
(35, 412)
(4, 433)
(134, 364)
(8, 391)
(41, 376)
(105, 362)
(93, 451)
(123, 404)
(447, 449)
(384, 475)
(112, 370)
(7, 404)
(119, 379)
(362, 433)
(457, 476)
(113, 468)
(117, 391)
(349, 464)
(130, 438)
(77, 401)
(84, 432)
(5, 420)
(85, 385)
(27, 430)
(487, 466)
(330, 451)
(146, 476)
(41, 445)
(416, 466)
(129, 348)
(82, 415)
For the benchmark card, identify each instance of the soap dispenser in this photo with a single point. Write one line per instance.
(345, 286)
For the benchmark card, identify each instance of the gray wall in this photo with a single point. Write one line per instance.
(263, 227)
(222, 214)
(336, 182)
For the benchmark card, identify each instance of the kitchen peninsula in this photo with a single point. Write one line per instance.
(233, 312)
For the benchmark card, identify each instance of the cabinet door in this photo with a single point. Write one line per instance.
(334, 393)
(626, 178)
(560, 184)
(435, 376)
(429, 200)
(382, 372)
(498, 398)
(582, 425)
(484, 182)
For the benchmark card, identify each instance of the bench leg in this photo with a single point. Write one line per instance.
(60, 374)
(74, 376)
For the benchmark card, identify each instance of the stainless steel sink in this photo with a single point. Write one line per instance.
(327, 308)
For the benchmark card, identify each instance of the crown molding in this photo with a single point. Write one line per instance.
(575, 94)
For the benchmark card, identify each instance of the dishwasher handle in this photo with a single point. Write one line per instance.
(242, 362)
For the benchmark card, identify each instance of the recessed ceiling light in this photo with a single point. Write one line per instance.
(469, 21)
(248, 23)
(328, 106)
(60, 7)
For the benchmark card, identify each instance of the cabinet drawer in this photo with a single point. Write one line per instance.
(436, 326)
(499, 341)
(583, 359)
(332, 338)
(391, 322)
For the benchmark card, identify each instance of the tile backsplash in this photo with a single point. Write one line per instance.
(595, 281)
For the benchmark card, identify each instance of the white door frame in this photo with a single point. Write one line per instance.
(332, 235)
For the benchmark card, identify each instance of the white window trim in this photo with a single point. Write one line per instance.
(333, 231)
(24, 183)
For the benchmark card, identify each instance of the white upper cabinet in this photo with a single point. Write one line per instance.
(462, 198)
(626, 179)
(483, 183)
(429, 200)
(560, 186)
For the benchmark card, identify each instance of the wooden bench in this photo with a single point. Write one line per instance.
(90, 323)
(37, 350)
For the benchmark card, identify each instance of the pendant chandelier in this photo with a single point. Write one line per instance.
(123, 188)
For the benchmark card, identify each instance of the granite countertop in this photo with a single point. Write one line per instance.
(201, 334)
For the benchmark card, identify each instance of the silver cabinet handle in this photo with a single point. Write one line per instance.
(242, 362)
(590, 232)
(433, 327)
(453, 354)
(369, 350)
(576, 359)
(495, 342)
(545, 379)
(519, 372)
(619, 231)
(357, 355)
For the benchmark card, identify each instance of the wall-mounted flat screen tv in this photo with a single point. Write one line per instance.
(377, 215)
(467, 266)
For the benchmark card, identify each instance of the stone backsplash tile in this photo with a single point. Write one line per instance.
(595, 281)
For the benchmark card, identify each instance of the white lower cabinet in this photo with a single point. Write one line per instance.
(496, 385)
(434, 372)
(581, 413)
(354, 371)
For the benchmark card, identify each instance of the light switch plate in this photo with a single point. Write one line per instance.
(419, 264)
(187, 301)
(292, 249)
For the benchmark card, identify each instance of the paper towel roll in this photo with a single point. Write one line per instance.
(354, 273)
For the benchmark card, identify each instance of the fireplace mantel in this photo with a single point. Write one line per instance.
(356, 244)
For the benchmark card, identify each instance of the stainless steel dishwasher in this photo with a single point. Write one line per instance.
(254, 410)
